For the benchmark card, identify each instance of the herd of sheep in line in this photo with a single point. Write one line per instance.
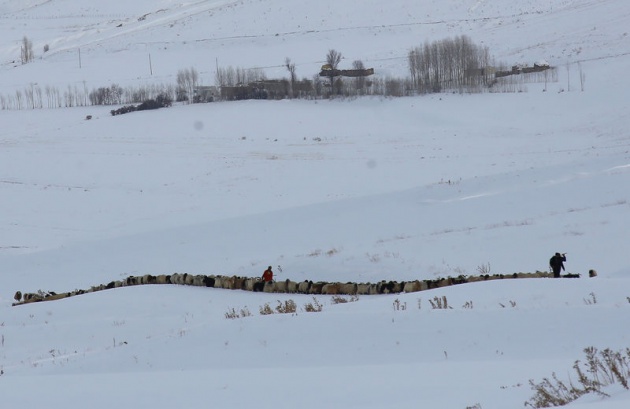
(287, 286)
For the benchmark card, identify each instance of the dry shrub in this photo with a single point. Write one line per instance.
(337, 299)
(233, 314)
(266, 309)
(288, 307)
(603, 368)
(399, 306)
(314, 306)
(484, 269)
(592, 300)
(439, 303)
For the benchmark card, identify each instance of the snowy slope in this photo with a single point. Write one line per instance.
(360, 190)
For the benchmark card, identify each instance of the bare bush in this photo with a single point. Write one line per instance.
(591, 300)
(399, 306)
(233, 314)
(484, 269)
(314, 306)
(287, 307)
(603, 368)
(439, 303)
(337, 299)
(266, 309)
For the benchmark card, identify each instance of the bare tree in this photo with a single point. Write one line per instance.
(26, 54)
(332, 60)
(359, 82)
(293, 77)
(187, 81)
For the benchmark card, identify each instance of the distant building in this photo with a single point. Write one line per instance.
(206, 94)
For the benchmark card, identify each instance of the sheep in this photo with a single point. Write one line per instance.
(331, 289)
(249, 283)
(316, 288)
(388, 287)
(188, 279)
(280, 286)
(238, 283)
(304, 287)
(348, 288)
(54, 297)
(411, 286)
(444, 282)
(96, 288)
(148, 279)
(32, 297)
(292, 286)
(163, 279)
(227, 283)
(208, 281)
(373, 289)
(363, 289)
(131, 280)
(198, 281)
(259, 285)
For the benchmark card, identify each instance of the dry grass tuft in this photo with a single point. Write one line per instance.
(288, 307)
(438, 303)
(399, 306)
(314, 306)
(337, 299)
(603, 368)
(233, 314)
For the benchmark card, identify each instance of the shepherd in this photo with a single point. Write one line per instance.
(268, 275)
(557, 263)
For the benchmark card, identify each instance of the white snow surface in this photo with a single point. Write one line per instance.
(360, 190)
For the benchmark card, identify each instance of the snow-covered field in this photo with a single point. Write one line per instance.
(335, 190)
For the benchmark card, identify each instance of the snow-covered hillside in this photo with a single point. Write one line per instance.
(337, 190)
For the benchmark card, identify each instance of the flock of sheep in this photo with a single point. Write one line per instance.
(286, 286)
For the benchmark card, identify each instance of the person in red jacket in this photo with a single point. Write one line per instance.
(268, 274)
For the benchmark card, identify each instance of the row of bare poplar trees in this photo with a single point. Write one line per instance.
(449, 64)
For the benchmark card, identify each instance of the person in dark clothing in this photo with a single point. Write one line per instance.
(557, 263)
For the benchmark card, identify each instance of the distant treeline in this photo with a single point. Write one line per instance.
(449, 65)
